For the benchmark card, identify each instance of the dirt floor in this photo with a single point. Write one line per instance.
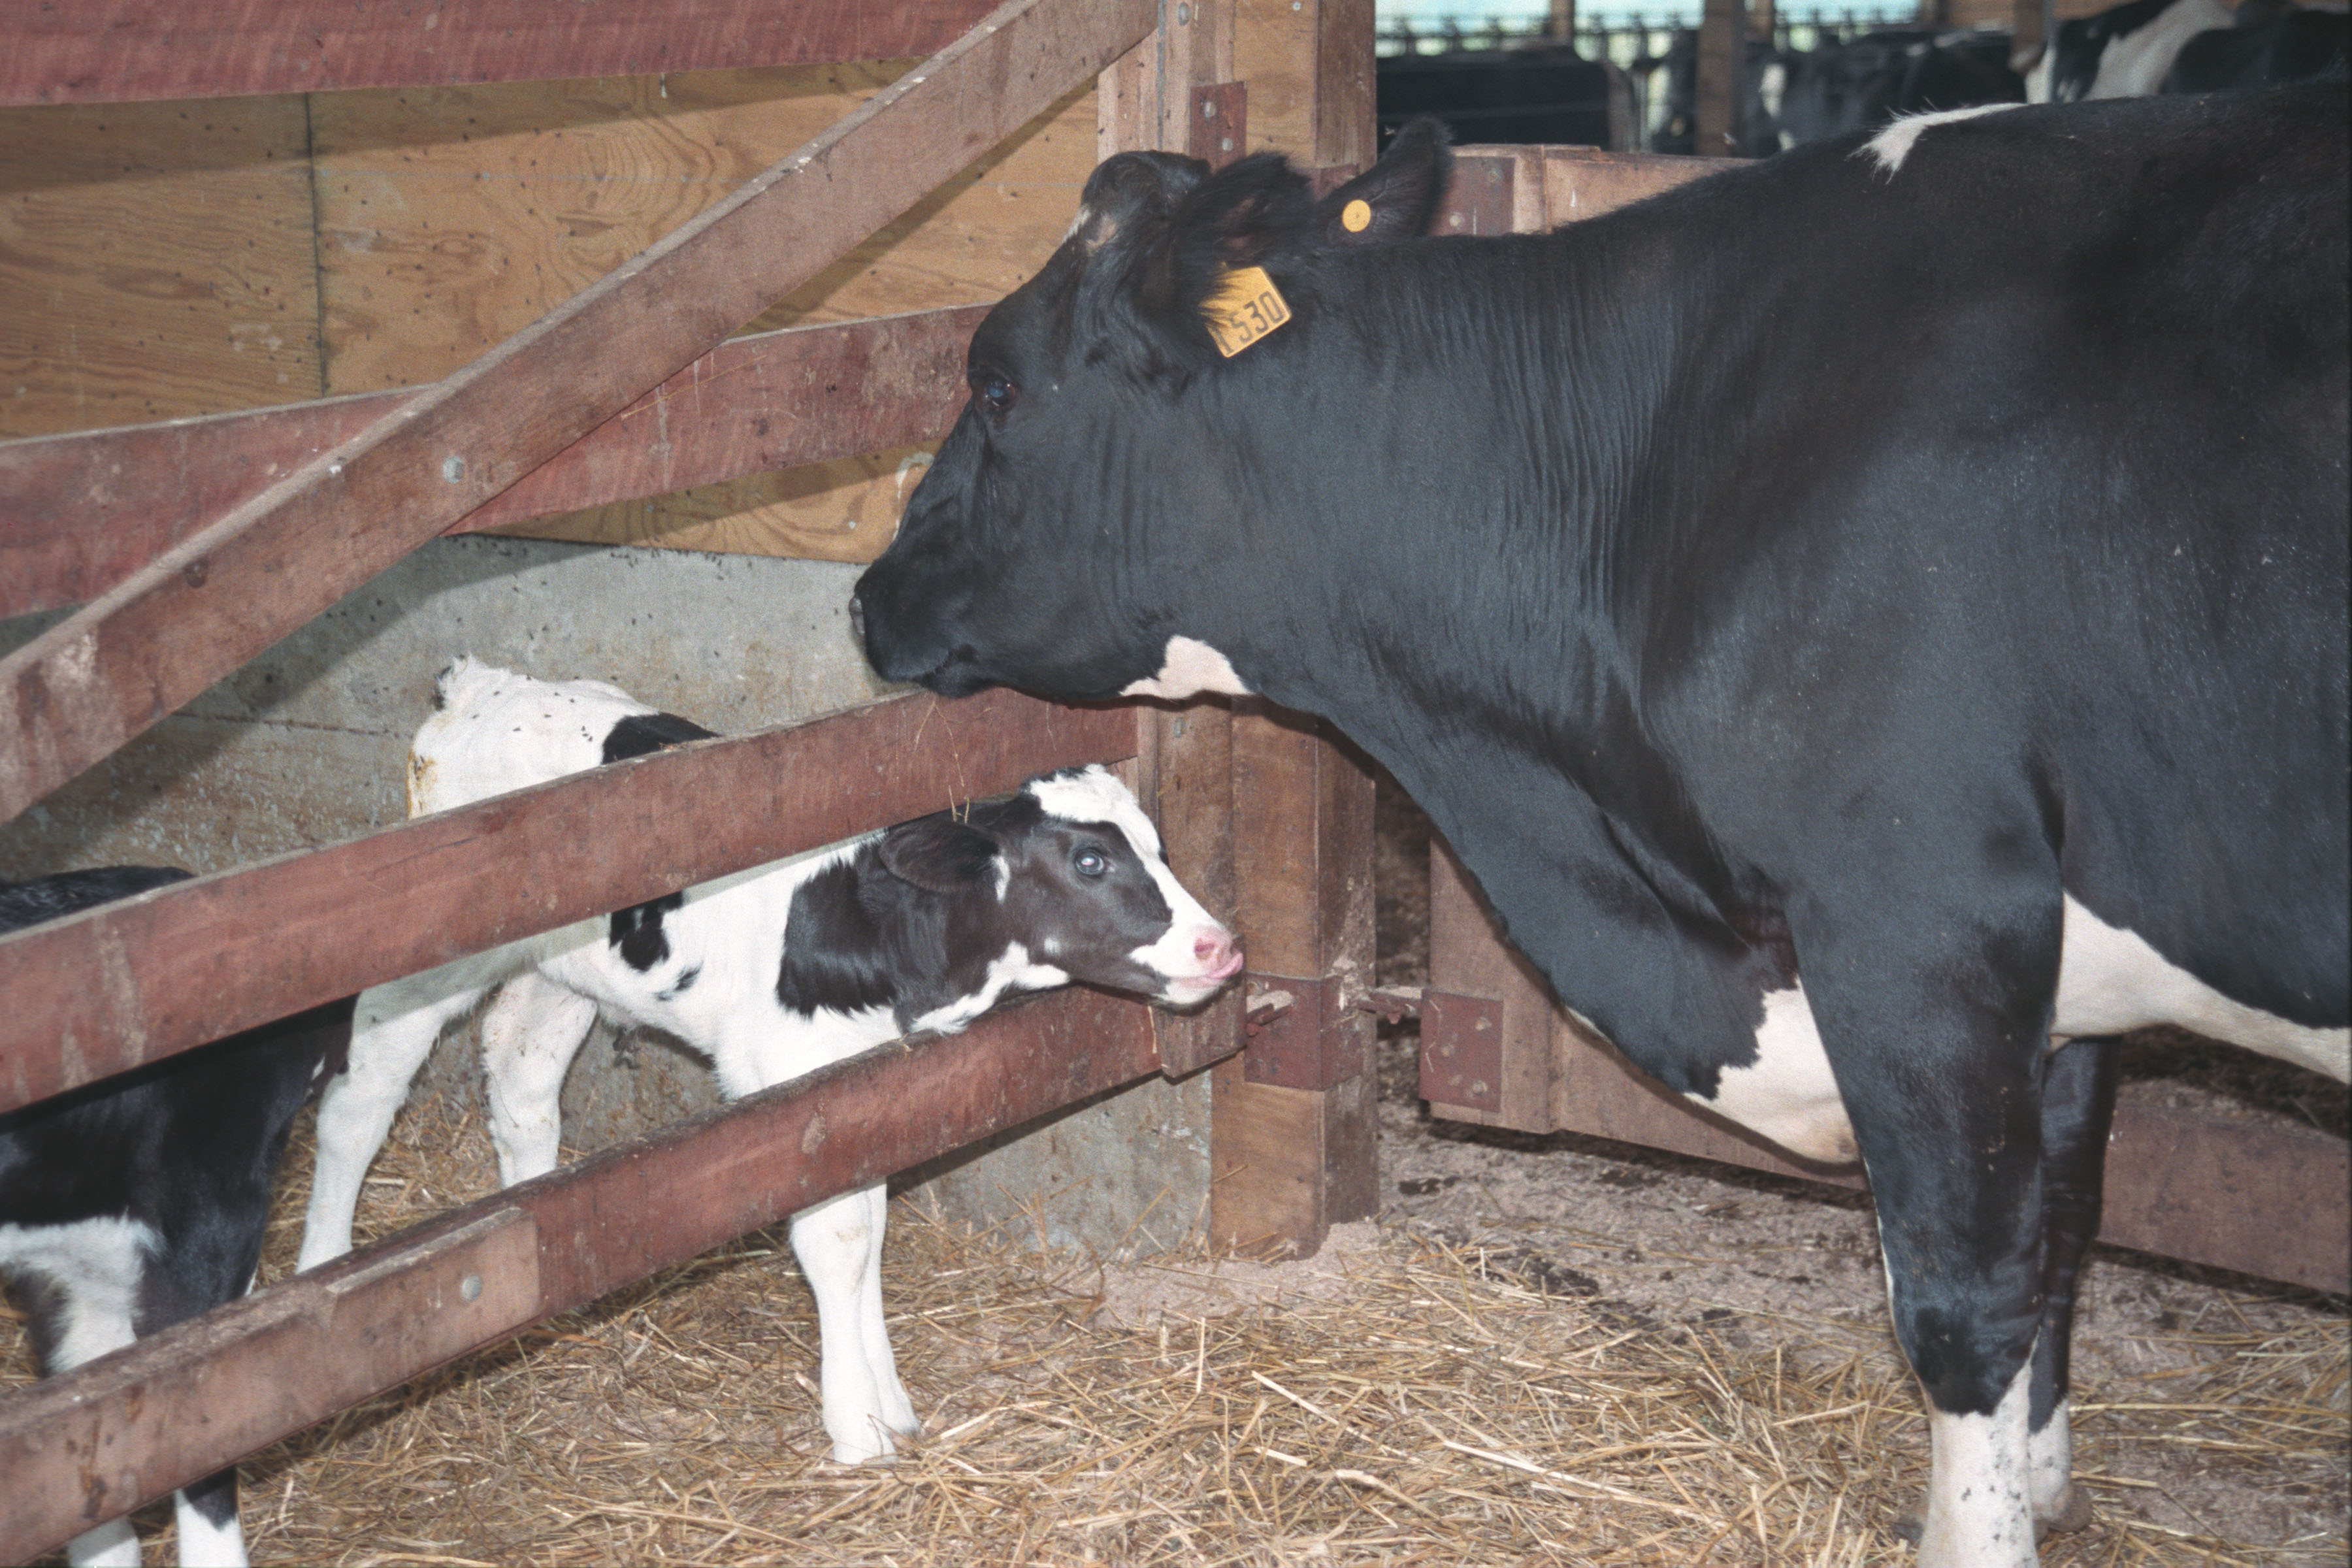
(1551, 1350)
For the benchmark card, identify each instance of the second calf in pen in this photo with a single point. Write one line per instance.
(772, 973)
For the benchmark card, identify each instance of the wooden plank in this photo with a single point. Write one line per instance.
(1584, 182)
(1288, 1162)
(204, 608)
(1722, 70)
(1187, 776)
(560, 180)
(2188, 1185)
(78, 513)
(186, 1401)
(155, 261)
(1465, 957)
(1345, 130)
(126, 983)
(112, 51)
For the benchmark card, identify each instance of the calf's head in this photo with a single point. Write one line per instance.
(1079, 881)
(1086, 528)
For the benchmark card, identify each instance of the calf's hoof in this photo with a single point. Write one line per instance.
(2072, 1513)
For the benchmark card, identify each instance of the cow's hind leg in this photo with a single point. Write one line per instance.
(2078, 1103)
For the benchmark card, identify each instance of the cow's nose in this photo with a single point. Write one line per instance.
(1220, 954)
(857, 617)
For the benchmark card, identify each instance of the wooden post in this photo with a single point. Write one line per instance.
(1722, 65)
(1293, 1126)
(1560, 26)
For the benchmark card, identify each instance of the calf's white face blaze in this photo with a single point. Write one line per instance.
(1197, 953)
(1188, 668)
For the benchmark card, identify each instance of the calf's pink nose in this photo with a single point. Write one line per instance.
(1219, 953)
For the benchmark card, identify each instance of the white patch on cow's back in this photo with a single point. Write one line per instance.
(1789, 1093)
(2110, 980)
(1188, 668)
(1979, 1497)
(1891, 146)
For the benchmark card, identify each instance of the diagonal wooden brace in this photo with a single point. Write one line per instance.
(213, 602)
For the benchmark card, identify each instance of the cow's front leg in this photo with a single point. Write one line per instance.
(1939, 1058)
(2078, 1103)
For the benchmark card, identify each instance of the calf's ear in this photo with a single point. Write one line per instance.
(1396, 198)
(937, 854)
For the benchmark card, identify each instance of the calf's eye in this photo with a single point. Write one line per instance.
(1091, 862)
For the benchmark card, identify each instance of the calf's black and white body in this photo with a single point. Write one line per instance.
(133, 1204)
(771, 974)
(1866, 619)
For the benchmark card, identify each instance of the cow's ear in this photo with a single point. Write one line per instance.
(1396, 198)
(1130, 188)
(1244, 216)
(937, 854)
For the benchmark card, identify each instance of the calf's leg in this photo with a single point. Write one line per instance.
(530, 1031)
(392, 1034)
(839, 1245)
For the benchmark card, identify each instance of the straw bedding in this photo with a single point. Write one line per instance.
(1399, 1399)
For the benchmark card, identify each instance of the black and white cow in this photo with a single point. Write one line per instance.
(1864, 83)
(2271, 44)
(1866, 619)
(2124, 51)
(133, 1203)
(771, 974)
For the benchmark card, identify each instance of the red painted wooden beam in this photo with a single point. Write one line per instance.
(108, 989)
(79, 514)
(115, 51)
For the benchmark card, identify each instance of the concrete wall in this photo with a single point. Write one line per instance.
(307, 745)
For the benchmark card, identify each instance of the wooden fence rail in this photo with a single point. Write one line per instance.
(116, 51)
(103, 991)
(79, 514)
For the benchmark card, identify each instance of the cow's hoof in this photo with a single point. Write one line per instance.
(2072, 1513)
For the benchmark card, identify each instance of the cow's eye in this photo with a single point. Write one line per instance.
(996, 393)
(1090, 862)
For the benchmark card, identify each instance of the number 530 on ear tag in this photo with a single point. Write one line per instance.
(1246, 308)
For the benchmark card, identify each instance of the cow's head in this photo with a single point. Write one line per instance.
(1077, 534)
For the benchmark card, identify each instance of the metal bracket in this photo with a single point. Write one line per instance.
(1299, 1035)
(1461, 1051)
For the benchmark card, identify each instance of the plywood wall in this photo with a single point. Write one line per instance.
(165, 259)
(156, 261)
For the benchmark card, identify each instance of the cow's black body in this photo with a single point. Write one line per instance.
(1815, 570)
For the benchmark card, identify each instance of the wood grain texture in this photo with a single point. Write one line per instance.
(130, 982)
(112, 51)
(1185, 774)
(81, 512)
(450, 219)
(82, 690)
(155, 261)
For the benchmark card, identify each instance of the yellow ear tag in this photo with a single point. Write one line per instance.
(1246, 308)
(1356, 217)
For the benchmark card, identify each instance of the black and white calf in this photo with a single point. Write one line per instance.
(772, 973)
(1862, 617)
(130, 1204)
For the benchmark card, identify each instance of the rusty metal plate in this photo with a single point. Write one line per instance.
(1295, 1050)
(1462, 1051)
(1483, 195)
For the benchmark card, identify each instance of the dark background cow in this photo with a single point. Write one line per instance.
(1867, 620)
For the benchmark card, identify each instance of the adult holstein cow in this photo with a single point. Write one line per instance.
(1866, 619)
